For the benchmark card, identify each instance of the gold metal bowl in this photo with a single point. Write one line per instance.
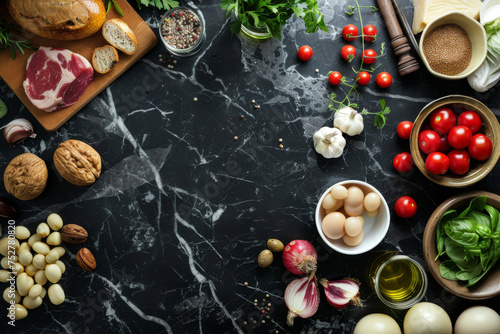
(489, 127)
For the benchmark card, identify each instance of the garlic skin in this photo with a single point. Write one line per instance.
(348, 121)
(329, 142)
(18, 130)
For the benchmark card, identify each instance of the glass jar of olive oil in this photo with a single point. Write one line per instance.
(399, 281)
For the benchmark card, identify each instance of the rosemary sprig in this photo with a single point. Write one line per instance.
(7, 42)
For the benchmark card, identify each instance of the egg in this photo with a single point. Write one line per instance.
(478, 320)
(339, 192)
(427, 318)
(354, 225)
(333, 225)
(353, 241)
(377, 323)
(355, 196)
(354, 210)
(372, 201)
(337, 207)
(371, 213)
(329, 202)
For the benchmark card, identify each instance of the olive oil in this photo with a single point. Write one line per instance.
(400, 281)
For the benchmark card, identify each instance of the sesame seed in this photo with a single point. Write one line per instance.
(195, 99)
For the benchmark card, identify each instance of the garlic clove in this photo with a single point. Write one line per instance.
(18, 130)
(7, 211)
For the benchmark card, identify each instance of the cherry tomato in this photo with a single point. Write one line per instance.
(384, 80)
(460, 136)
(445, 146)
(459, 162)
(403, 162)
(480, 147)
(305, 52)
(348, 52)
(443, 120)
(429, 141)
(369, 56)
(404, 129)
(437, 163)
(334, 78)
(363, 78)
(370, 33)
(352, 30)
(471, 120)
(405, 207)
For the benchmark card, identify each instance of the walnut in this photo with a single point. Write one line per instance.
(26, 176)
(77, 162)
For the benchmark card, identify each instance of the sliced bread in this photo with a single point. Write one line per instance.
(118, 34)
(104, 58)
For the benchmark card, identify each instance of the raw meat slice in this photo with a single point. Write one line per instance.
(56, 78)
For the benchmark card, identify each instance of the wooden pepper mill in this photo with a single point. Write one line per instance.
(407, 64)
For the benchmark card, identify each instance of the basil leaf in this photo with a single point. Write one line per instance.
(494, 215)
(477, 203)
(459, 256)
(448, 269)
(462, 230)
(480, 218)
(440, 234)
(3, 109)
(483, 231)
(467, 275)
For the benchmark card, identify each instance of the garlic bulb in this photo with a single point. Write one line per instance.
(348, 121)
(329, 142)
(18, 130)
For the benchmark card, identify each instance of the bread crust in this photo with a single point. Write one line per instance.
(123, 27)
(59, 19)
(95, 60)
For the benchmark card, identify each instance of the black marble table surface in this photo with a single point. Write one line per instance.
(182, 210)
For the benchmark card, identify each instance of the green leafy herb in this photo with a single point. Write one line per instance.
(8, 42)
(471, 240)
(380, 117)
(274, 14)
(161, 4)
(3, 109)
(117, 7)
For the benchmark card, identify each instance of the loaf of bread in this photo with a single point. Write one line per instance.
(118, 34)
(59, 19)
(104, 59)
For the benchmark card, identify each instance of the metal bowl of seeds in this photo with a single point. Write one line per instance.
(182, 31)
(453, 46)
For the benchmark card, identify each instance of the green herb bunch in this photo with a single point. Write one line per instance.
(8, 42)
(471, 240)
(274, 14)
(161, 4)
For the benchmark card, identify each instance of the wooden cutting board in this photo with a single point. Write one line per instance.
(13, 71)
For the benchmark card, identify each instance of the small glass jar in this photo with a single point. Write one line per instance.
(182, 31)
(398, 280)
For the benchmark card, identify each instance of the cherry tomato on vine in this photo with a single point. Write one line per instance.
(404, 129)
(403, 162)
(369, 56)
(334, 78)
(459, 162)
(384, 80)
(443, 120)
(351, 30)
(370, 33)
(471, 120)
(460, 136)
(348, 52)
(405, 207)
(480, 147)
(363, 78)
(437, 163)
(305, 52)
(429, 141)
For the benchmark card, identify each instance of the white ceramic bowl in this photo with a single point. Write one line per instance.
(375, 228)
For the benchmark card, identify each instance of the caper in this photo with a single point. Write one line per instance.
(265, 258)
(275, 245)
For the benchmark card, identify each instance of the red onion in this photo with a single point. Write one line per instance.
(302, 298)
(342, 292)
(299, 257)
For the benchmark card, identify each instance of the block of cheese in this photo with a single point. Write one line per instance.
(424, 11)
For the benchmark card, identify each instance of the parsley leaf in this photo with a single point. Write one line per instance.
(380, 117)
